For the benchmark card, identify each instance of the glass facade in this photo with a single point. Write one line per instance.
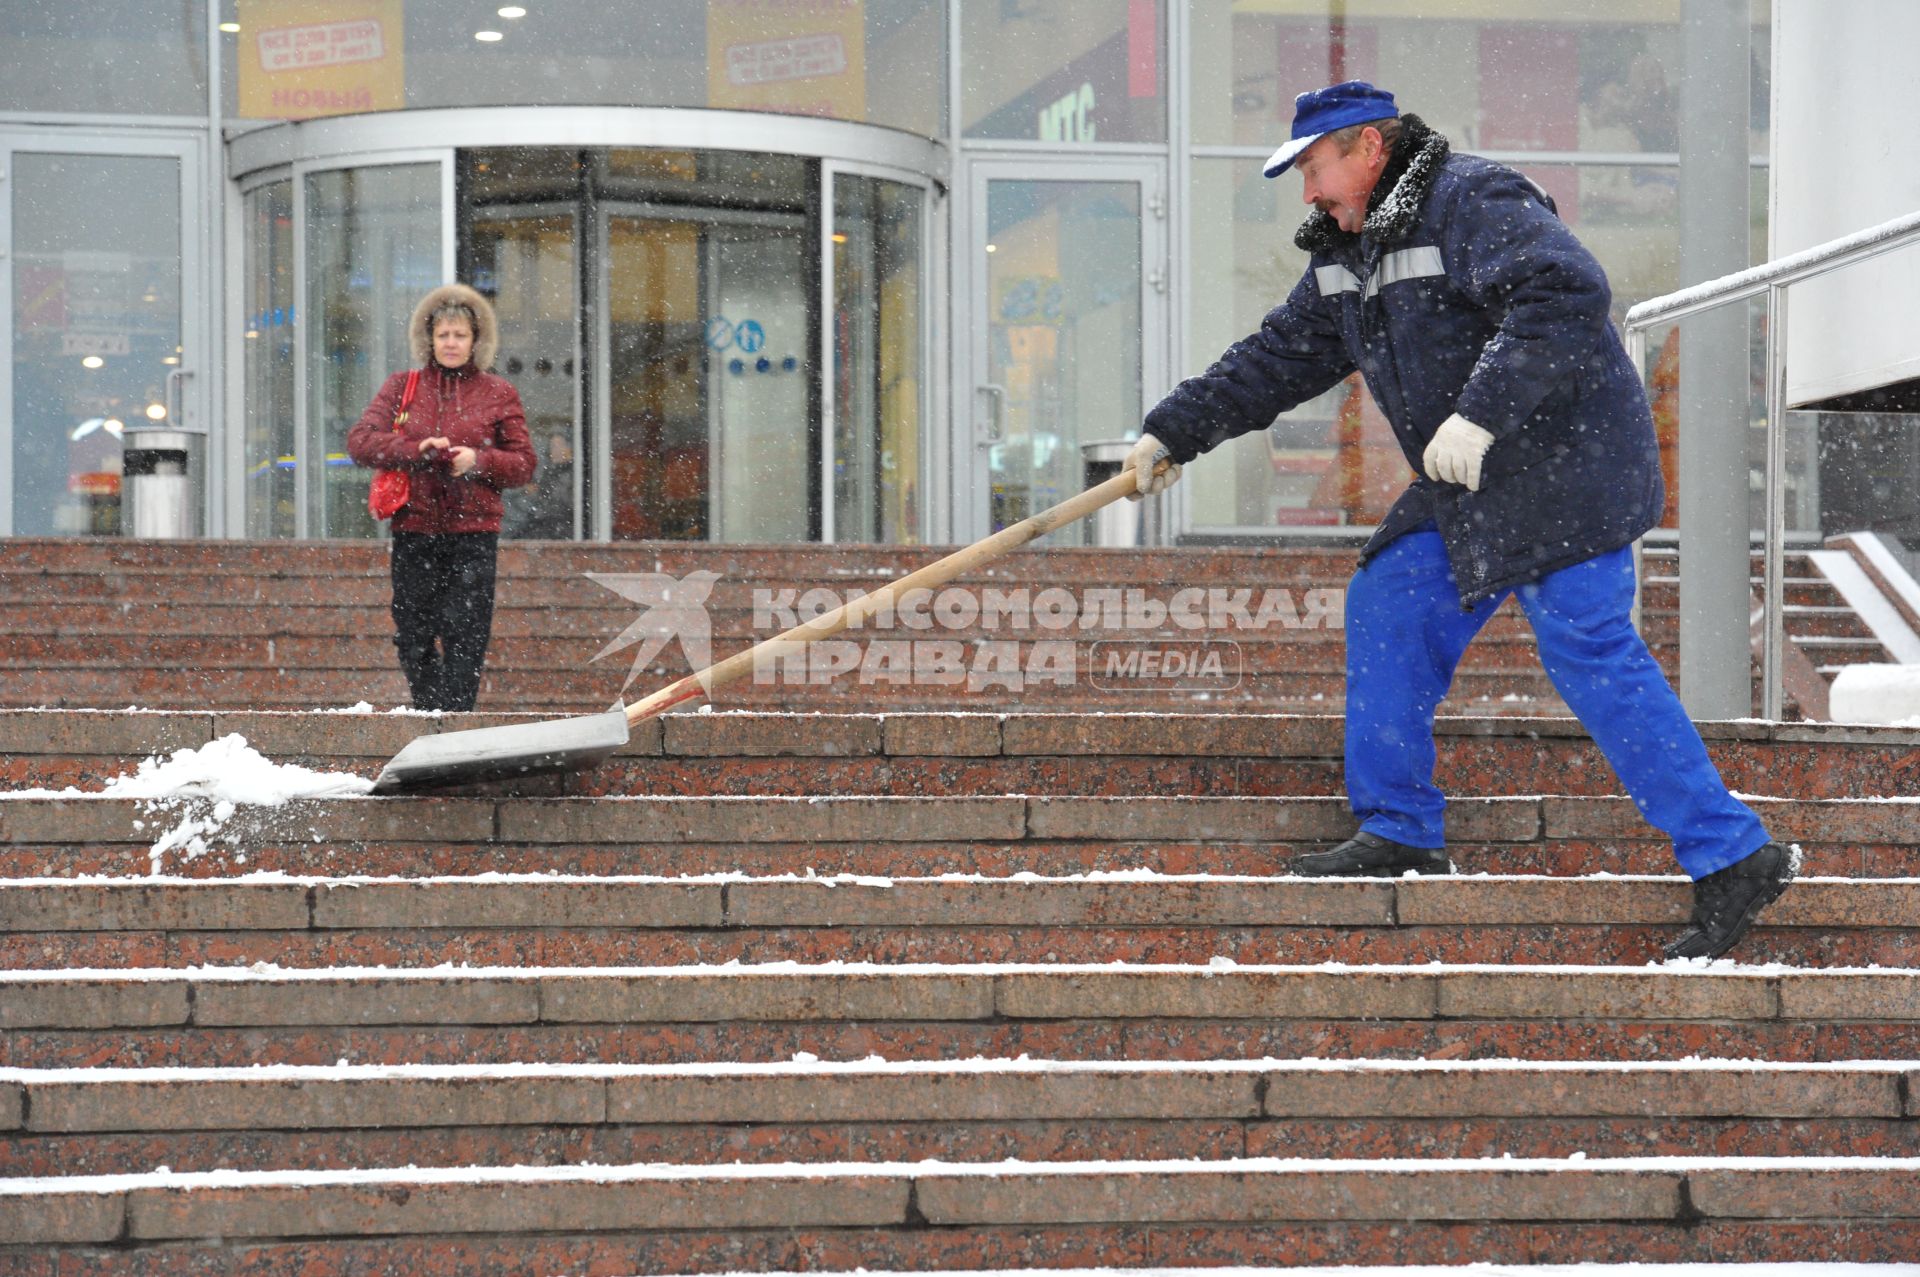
(1557, 75)
(1064, 334)
(270, 453)
(526, 260)
(732, 342)
(1064, 71)
(104, 57)
(879, 244)
(372, 251)
(97, 325)
(1542, 87)
(871, 61)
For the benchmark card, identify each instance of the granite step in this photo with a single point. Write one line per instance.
(962, 754)
(885, 836)
(1477, 691)
(229, 1016)
(126, 1121)
(899, 1217)
(314, 923)
(569, 662)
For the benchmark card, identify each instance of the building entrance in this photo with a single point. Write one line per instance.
(711, 342)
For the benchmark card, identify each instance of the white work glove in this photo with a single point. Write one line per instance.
(1147, 454)
(1455, 453)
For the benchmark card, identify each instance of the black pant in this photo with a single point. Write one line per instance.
(443, 590)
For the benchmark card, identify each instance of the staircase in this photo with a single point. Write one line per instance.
(1824, 622)
(801, 990)
(305, 625)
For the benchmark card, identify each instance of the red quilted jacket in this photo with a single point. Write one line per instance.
(478, 410)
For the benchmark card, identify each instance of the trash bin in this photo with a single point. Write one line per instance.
(1119, 523)
(157, 487)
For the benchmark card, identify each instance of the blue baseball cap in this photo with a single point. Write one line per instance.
(1323, 111)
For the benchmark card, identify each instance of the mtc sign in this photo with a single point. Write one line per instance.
(1070, 118)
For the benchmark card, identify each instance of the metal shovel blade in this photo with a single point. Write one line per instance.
(498, 753)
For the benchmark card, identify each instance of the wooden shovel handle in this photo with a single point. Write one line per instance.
(935, 574)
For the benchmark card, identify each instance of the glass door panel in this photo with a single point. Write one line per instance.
(878, 249)
(763, 453)
(656, 372)
(707, 400)
(524, 261)
(373, 250)
(270, 451)
(1062, 337)
(96, 319)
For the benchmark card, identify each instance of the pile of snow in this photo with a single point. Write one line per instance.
(205, 787)
(1876, 694)
(231, 771)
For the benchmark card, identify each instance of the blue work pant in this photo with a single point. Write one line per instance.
(1405, 635)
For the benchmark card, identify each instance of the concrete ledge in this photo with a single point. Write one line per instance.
(1274, 902)
(1605, 995)
(516, 1206)
(138, 906)
(1258, 819)
(55, 1216)
(673, 820)
(1590, 1092)
(425, 1000)
(327, 738)
(1877, 995)
(226, 1104)
(1789, 820)
(1175, 735)
(1854, 903)
(786, 997)
(937, 735)
(941, 1097)
(771, 735)
(1453, 902)
(1881, 1192)
(1318, 1194)
(105, 733)
(92, 1004)
(401, 905)
(1225, 994)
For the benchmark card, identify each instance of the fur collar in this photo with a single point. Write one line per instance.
(486, 332)
(1399, 195)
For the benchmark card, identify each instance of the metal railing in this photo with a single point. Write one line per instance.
(1773, 279)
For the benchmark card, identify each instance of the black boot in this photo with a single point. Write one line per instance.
(1726, 902)
(1368, 855)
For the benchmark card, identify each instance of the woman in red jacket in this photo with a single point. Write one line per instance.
(464, 440)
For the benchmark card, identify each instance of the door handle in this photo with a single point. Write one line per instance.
(175, 401)
(996, 413)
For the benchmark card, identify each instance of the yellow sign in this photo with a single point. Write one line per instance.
(797, 57)
(1584, 12)
(304, 58)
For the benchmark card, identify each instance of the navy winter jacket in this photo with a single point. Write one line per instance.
(1464, 292)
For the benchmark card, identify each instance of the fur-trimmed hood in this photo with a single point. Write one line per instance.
(1394, 207)
(486, 332)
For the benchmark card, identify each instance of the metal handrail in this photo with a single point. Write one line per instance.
(1772, 278)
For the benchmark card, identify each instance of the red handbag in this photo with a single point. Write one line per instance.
(391, 488)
